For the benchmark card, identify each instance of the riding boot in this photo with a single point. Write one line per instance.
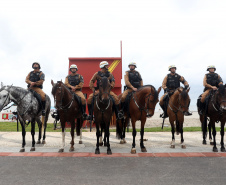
(163, 115)
(202, 108)
(84, 115)
(188, 113)
(43, 108)
(90, 112)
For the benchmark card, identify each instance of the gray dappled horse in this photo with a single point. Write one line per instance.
(27, 109)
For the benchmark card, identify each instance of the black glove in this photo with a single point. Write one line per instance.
(186, 87)
(167, 90)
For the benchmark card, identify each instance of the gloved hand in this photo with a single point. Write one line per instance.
(186, 87)
(167, 90)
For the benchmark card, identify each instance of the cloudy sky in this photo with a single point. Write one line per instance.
(155, 33)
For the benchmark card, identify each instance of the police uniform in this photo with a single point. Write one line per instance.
(210, 80)
(95, 78)
(77, 81)
(38, 78)
(171, 82)
(132, 80)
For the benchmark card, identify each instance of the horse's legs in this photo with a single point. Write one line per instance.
(33, 134)
(143, 149)
(182, 137)
(106, 135)
(100, 138)
(133, 150)
(80, 139)
(210, 135)
(173, 134)
(204, 129)
(72, 135)
(39, 131)
(125, 123)
(105, 142)
(63, 136)
(222, 137)
(214, 136)
(23, 135)
(97, 151)
(44, 130)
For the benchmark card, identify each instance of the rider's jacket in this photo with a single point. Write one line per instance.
(99, 75)
(38, 77)
(133, 79)
(212, 79)
(172, 81)
(75, 80)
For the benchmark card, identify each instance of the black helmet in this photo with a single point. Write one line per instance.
(36, 63)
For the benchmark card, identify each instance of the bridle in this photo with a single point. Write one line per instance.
(146, 107)
(217, 107)
(68, 105)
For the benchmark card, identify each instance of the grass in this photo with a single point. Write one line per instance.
(12, 127)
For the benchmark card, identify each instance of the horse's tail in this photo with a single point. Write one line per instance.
(118, 128)
(78, 126)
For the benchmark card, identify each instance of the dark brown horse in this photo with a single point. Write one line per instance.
(141, 106)
(177, 106)
(68, 109)
(103, 112)
(216, 111)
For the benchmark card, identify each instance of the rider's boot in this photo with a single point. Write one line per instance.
(163, 115)
(43, 108)
(89, 117)
(84, 115)
(188, 113)
(202, 108)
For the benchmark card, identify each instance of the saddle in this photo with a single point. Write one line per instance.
(204, 106)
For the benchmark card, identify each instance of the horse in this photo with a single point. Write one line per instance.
(177, 106)
(69, 110)
(28, 108)
(103, 113)
(141, 106)
(215, 111)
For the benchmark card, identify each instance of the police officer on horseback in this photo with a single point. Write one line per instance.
(170, 83)
(35, 80)
(75, 82)
(103, 73)
(211, 81)
(133, 81)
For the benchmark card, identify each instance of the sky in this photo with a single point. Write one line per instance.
(190, 34)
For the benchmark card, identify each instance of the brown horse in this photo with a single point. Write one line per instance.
(141, 106)
(103, 112)
(215, 111)
(68, 109)
(177, 106)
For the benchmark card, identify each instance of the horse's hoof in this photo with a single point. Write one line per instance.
(178, 133)
(32, 149)
(133, 151)
(22, 150)
(43, 142)
(211, 143)
(101, 144)
(183, 146)
(109, 152)
(172, 146)
(143, 149)
(105, 144)
(124, 140)
(80, 142)
(71, 149)
(61, 150)
(121, 142)
(38, 142)
(215, 149)
(204, 142)
(222, 149)
(97, 151)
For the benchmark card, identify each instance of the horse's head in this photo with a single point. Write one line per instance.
(4, 97)
(58, 92)
(150, 98)
(104, 89)
(184, 99)
(221, 97)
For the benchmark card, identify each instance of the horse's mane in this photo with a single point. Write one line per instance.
(184, 93)
(55, 87)
(104, 81)
(221, 89)
(149, 86)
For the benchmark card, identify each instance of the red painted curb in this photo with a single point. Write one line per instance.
(86, 154)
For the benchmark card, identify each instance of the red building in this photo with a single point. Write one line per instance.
(88, 66)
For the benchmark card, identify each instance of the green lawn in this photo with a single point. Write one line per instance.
(12, 127)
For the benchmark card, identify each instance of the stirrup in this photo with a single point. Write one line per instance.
(187, 113)
(84, 116)
(163, 115)
(120, 115)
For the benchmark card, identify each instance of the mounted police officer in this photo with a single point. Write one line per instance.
(103, 73)
(211, 81)
(35, 81)
(170, 83)
(75, 82)
(133, 81)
